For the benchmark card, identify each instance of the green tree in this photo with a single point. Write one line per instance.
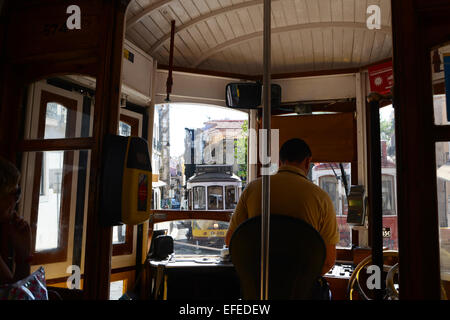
(387, 133)
(240, 153)
(386, 130)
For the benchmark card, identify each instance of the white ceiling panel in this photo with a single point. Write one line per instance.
(226, 35)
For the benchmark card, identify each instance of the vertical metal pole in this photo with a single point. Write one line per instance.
(375, 194)
(266, 177)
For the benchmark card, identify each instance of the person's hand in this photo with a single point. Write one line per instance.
(20, 233)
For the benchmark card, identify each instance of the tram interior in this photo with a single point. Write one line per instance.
(64, 89)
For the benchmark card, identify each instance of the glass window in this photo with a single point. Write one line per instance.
(440, 64)
(124, 129)
(199, 198)
(440, 109)
(195, 237)
(55, 113)
(55, 121)
(49, 208)
(55, 189)
(388, 177)
(230, 197)
(187, 136)
(215, 198)
(55, 183)
(116, 290)
(119, 234)
(443, 193)
(328, 176)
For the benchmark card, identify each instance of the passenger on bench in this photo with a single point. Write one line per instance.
(15, 233)
(292, 194)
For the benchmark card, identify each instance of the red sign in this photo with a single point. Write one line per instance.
(381, 78)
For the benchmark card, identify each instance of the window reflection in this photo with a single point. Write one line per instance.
(230, 197)
(199, 198)
(55, 121)
(215, 198)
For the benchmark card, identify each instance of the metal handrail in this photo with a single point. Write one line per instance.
(265, 225)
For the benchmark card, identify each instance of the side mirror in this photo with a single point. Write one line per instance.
(243, 95)
(247, 95)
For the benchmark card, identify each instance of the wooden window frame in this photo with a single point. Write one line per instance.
(58, 254)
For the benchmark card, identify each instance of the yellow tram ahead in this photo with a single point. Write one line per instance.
(213, 187)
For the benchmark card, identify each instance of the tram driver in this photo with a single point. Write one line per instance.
(292, 194)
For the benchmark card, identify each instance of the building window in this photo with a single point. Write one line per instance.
(330, 186)
(387, 192)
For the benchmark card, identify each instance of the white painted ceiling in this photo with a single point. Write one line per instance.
(226, 35)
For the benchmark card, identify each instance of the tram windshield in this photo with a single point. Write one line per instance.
(187, 136)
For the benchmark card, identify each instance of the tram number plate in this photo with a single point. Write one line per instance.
(386, 232)
(217, 234)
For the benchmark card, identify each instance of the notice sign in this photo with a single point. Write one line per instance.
(381, 78)
(386, 232)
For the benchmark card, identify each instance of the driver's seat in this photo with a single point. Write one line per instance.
(296, 257)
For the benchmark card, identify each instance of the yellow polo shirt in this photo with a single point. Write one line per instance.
(291, 194)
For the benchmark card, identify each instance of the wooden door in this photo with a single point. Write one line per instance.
(419, 28)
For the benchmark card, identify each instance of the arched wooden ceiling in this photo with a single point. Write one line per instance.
(226, 35)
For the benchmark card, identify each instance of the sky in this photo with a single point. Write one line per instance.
(193, 116)
(385, 112)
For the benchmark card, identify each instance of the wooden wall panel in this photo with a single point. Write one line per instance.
(417, 26)
(330, 136)
(45, 23)
(35, 44)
